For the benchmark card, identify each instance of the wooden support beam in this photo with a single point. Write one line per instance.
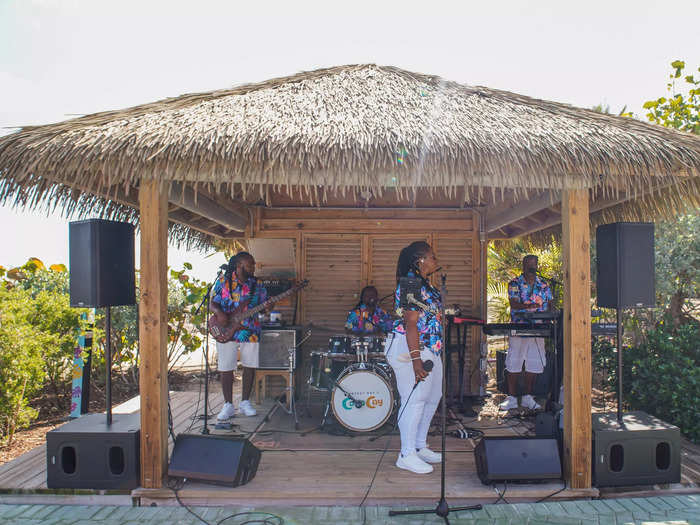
(185, 197)
(153, 333)
(500, 216)
(577, 338)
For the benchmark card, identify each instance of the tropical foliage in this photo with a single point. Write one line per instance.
(39, 329)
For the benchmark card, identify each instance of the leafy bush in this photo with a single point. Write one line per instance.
(21, 366)
(660, 375)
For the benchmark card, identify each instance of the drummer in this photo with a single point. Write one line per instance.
(366, 318)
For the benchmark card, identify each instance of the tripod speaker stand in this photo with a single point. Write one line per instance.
(442, 509)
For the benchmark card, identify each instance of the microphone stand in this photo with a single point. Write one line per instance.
(442, 509)
(205, 300)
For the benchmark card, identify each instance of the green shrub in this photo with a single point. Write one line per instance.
(21, 366)
(660, 375)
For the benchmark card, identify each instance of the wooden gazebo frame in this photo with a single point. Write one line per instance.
(356, 150)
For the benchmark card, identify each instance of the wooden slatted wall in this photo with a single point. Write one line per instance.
(454, 253)
(333, 266)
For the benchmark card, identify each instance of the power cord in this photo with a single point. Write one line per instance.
(552, 494)
(270, 519)
(501, 495)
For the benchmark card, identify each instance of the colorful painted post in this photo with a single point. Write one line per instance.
(81, 358)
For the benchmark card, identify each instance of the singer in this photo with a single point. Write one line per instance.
(526, 293)
(415, 339)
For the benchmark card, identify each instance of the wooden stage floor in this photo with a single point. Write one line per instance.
(320, 468)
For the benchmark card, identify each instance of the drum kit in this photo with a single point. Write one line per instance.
(358, 383)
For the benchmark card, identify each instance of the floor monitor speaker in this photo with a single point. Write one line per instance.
(222, 460)
(643, 450)
(517, 459)
(86, 453)
(101, 259)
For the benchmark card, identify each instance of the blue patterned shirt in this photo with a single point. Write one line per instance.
(429, 323)
(361, 321)
(230, 299)
(539, 294)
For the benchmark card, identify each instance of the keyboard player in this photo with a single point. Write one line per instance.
(526, 355)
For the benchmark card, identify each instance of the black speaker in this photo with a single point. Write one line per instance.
(625, 265)
(86, 453)
(101, 263)
(274, 345)
(222, 460)
(543, 381)
(517, 459)
(643, 450)
(545, 425)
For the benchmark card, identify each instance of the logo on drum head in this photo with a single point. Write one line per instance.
(370, 402)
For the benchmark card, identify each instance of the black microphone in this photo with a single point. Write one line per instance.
(427, 365)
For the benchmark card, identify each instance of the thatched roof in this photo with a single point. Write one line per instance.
(358, 128)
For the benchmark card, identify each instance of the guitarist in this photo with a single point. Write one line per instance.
(237, 289)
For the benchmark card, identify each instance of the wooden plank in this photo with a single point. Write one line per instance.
(153, 332)
(185, 197)
(362, 225)
(499, 216)
(363, 213)
(577, 338)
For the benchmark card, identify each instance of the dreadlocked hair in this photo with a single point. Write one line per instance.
(232, 264)
(408, 258)
(362, 295)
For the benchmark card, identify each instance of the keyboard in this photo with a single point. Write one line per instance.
(519, 329)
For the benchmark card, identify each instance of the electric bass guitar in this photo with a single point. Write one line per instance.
(222, 325)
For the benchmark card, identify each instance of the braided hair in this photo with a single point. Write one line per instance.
(408, 259)
(362, 295)
(232, 264)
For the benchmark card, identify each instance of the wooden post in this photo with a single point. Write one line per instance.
(577, 338)
(153, 332)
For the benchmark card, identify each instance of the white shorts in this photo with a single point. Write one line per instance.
(527, 350)
(227, 354)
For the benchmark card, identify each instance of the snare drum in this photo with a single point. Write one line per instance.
(371, 399)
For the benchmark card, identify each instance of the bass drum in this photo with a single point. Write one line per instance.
(371, 399)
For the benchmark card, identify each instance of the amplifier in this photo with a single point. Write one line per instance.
(274, 346)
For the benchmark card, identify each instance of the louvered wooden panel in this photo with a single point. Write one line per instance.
(333, 266)
(455, 255)
(384, 253)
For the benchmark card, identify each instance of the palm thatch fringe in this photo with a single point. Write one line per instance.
(345, 130)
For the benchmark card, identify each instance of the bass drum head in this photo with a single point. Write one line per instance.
(374, 393)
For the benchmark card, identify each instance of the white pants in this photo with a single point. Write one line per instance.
(227, 355)
(417, 406)
(528, 351)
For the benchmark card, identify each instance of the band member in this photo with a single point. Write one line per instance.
(236, 287)
(367, 318)
(415, 338)
(526, 293)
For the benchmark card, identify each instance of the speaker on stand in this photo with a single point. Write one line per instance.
(93, 451)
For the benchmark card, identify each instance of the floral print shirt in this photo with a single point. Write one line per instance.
(429, 323)
(539, 293)
(230, 299)
(361, 321)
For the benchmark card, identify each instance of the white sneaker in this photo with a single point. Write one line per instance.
(413, 463)
(226, 413)
(429, 456)
(509, 403)
(529, 402)
(247, 408)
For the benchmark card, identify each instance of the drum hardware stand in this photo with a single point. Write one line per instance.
(443, 509)
(292, 410)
